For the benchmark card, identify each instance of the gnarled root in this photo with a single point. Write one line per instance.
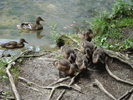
(100, 86)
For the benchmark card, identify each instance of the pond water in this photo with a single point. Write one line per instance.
(62, 13)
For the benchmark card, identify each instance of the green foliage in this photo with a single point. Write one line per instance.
(102, 41)
(56, 34)
(55, 31)
(121, 9)
(107, 26)
(3, 70)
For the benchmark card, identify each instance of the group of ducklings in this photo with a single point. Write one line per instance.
(34, 26)
(80, 60)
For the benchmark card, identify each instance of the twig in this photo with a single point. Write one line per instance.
(127, 95)
(60, 86)
(27, 56)
(120, 57)
(17, 96)
(26, 51)
(100, 86)
(29, 82)
(71, 82)
(60, 80)
(50, 87)
(115, 77)
(74, 40)
(31, 88)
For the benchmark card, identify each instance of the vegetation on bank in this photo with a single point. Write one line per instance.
(108, 26)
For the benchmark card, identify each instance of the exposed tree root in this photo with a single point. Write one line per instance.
(29, 82)
(115, 77)
(35, 89)
(58, 87)
(71, 82)
(74, 40)
(100, 86)
(61, 86)
(27, 56)
(60, 80)
(16, 94)
(120, 56)
(127, 95)
(14, 89)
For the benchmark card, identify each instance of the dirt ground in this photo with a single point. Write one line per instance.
(41, 71)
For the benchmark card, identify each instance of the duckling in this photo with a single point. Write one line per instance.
(13, 44)
(86, 35)
(82, 62)
(98, 56)
(31, 25)
(63, 65)
(87, 48)
(60, 42)
(68, 53)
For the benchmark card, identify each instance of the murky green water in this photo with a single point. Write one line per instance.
(63, 13)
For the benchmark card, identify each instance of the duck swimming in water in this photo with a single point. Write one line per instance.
(14, 44)
(31, 25)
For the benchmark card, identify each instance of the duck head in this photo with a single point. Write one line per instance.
(98, 56)
(39, 19)
(23, 40)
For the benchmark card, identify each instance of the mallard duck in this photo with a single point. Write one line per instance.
(63, 65)
(87, 48)
(86, 35)
(31, 25)
(82, 62)
(68, 53)
(13, 44)
(98, 56)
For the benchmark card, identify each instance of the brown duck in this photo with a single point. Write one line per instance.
(86, 35)
(63, 65)
(31, 25)
(68, 53)
(13, 44)
(82, 62)
(98, 56)
(87, 48)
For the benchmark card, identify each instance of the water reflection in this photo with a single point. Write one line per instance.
(68, 15)
(38, 33)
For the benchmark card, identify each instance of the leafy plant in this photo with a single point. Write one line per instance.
(107, 26)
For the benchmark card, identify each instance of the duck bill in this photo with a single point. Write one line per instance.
(26, 42)
(42, 20)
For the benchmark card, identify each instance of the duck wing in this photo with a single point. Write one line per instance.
(26, 25)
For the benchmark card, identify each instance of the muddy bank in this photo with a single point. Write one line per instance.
(41, 71)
